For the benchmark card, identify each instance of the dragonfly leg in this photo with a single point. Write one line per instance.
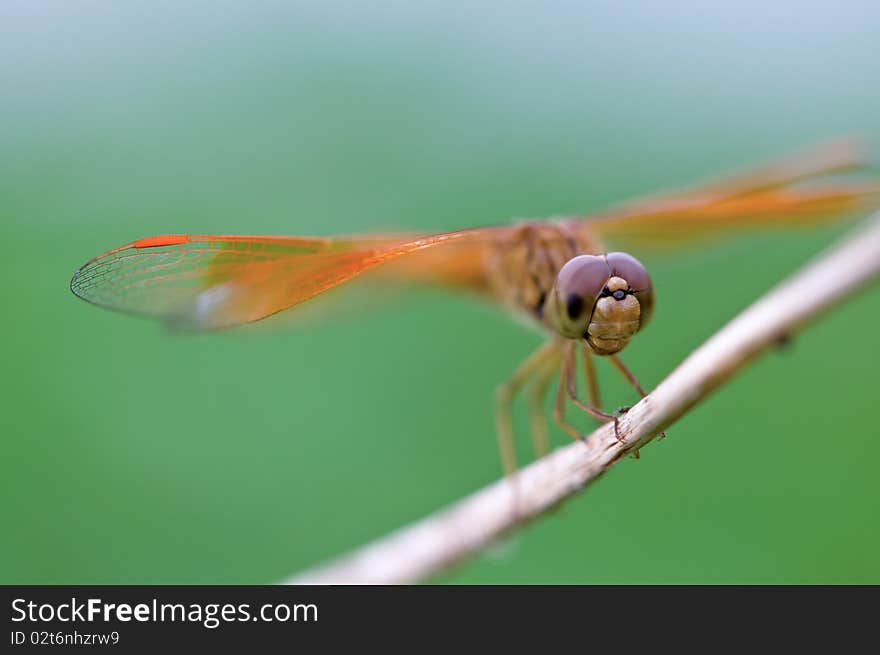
(590, 375)
(504, 396)
(631, 378)
(559, 407)
(624, 370)
(593, 387)
(568, 382)
(537, 417)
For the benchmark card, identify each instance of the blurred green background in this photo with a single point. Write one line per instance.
(131, 455)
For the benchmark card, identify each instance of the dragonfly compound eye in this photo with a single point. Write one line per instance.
(629, 268)
(578, 285)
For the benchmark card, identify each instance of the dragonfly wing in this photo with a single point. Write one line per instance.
(770, 196)
(209, 282)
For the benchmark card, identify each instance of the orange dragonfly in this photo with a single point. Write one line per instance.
(556, 272)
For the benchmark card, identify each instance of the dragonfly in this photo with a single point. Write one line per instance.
(558, 273)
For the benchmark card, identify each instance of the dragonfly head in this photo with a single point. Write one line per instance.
(604, 299)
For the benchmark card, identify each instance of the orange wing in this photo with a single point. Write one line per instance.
(208, 282)
(771, 196)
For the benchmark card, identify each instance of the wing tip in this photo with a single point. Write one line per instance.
(159, 241)
(75, 288)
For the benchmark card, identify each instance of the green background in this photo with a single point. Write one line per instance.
(132, 455)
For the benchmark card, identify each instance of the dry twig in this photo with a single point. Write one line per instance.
(448, 536)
